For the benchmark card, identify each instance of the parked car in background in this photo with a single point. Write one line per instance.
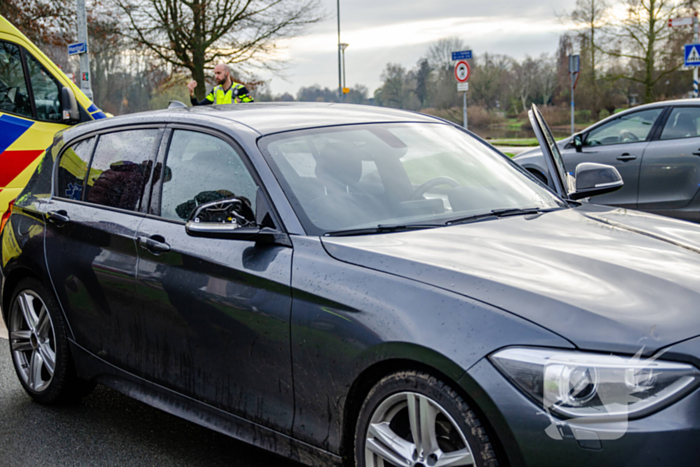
(656, 149)
(358, 286)
(34, 93)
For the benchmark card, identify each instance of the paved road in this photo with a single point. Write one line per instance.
(108, 429)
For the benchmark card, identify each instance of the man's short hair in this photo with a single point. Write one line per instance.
(226, 68)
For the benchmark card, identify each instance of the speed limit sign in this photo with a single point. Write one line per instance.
(462, 71)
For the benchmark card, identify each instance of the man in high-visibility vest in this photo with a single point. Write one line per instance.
(226, 92)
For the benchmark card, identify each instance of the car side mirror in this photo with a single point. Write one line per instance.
(578, 143)
(596, 179)
(231, 218)
(69, 106)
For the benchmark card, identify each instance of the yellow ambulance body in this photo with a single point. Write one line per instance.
(30, 109)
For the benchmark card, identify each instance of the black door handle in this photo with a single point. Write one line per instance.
(155, 244)
(627, 157)
(697, 153)
(58, 218)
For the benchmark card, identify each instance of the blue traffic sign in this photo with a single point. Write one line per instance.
(461, 55)
(77, 48)
(692, 55)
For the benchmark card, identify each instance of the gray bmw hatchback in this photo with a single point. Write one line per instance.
(656, 149)
(348, 285)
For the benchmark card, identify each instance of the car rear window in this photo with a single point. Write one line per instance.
(72, 169)
(684, 122)
(120, 167)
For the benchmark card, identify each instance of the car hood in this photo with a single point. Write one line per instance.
(605, 278)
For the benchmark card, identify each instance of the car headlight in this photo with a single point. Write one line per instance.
(582, 384)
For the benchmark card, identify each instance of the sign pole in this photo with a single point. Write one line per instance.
(85, 84)
(573, 104)
(466, 126)
(574, 69)
(462, 73)
(695, 69)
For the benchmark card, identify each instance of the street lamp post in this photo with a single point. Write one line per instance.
(340, 70)
(344, 84)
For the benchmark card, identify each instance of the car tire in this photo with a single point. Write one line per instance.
(385, 428)
(538, 175)
(39, 346)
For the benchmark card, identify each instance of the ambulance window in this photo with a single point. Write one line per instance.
(70, 179)
(13, 87)
(47, 92)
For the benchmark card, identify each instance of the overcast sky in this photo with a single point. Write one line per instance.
(400, 31)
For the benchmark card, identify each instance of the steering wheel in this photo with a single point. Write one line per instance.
(225, 211)
(433, 182)
(628, 136)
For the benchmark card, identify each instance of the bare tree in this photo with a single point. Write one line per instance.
(525, 85)
(196, 34)
(398, 88)
(46, 22)
(546, 78)
(591, 15)
(440, 53)
(490, 75)
(443, 89)
(590, 18)
(642, 37)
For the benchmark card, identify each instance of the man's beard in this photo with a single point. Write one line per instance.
(221, 81)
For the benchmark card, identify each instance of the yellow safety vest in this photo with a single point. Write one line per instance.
(219, 96)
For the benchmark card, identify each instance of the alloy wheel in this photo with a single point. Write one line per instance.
(33, 341)
(409, 429)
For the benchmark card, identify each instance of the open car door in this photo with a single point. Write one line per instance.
(562, 181)
(591, 179)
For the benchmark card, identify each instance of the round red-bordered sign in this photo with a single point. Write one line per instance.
(462, 71)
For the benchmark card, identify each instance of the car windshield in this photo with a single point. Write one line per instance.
(365, 176)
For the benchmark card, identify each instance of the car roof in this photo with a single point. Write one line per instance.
(676, 102)
(268, 118)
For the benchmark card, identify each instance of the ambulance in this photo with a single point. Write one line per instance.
(36, 100)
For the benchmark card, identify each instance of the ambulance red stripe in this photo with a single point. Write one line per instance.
(14, 162)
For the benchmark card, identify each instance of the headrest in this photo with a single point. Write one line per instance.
(340, 163)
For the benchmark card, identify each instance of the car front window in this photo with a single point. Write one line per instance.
(47, 92)
(14, 97)
(362, 176)
(629, 128)
(202, 168)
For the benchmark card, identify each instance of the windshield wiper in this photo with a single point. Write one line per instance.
(496, 213)
(381, 228)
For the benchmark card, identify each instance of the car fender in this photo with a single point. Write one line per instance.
(348, 319)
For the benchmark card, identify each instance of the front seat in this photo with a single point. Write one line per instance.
(339, 169)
